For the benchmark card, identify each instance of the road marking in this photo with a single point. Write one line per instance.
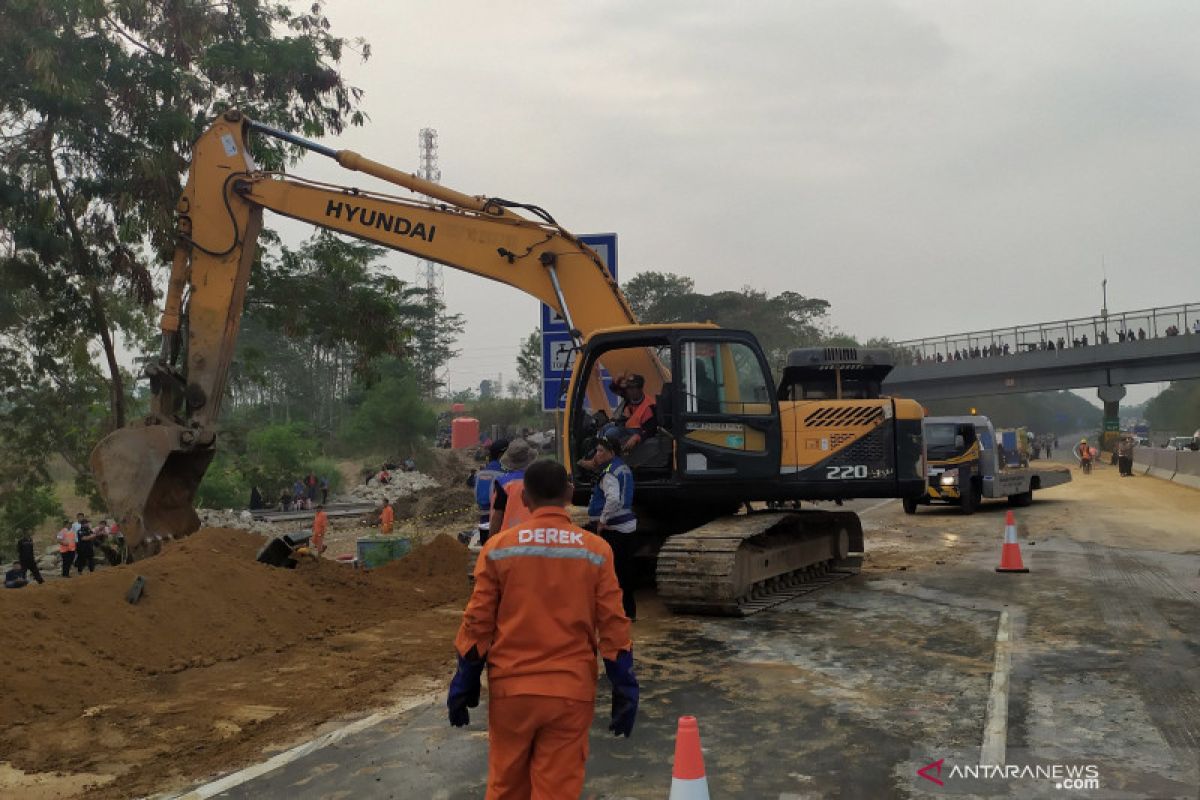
(880, 504)
(299, 751)
(995, 730)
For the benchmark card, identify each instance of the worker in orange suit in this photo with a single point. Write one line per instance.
(546, 600)
(319, 527)
(386, 518)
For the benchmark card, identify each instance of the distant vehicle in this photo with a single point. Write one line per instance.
(1182, 443)
(965, 466)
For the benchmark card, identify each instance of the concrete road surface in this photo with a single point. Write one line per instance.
(1083, 673)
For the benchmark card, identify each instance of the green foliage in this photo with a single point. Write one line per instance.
(510, 414)
(278, 454)
(23, 507)
(100, 104)
(529, 366)
(1176, 409)
(390, 418)
(781, 322)
(1043, 412)
(224, 485)
(319, 320)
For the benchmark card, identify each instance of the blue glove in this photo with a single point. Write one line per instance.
(625, 692)
(464, 689)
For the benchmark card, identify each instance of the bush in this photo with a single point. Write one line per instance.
(278, 455)
(224, 486)
(391, 419)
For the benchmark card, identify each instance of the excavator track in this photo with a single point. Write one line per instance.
(743, 564)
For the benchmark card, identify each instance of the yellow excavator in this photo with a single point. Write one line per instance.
(729, 440)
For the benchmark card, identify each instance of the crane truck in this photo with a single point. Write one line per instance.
(726, 437)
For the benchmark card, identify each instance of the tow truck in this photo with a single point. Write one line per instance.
(965, 467)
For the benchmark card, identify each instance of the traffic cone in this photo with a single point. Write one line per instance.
(1010, 554)
(687, 777)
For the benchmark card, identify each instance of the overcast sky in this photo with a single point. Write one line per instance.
(927, 167)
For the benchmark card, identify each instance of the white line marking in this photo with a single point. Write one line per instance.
(880, 504)
(299, 751)
(995, 730)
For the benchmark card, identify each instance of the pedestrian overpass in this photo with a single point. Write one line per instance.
(1107, 352)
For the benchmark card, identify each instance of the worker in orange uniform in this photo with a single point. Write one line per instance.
(386, 518)
(508, 507)
(67, 540)
(546, 600)
(319, 527)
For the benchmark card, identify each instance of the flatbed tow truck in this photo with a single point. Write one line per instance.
(965, 467)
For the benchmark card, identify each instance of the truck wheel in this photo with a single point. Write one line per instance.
(910, 505)
(1021, 500)
(971, 498)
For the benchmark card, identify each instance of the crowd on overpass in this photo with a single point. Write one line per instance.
(993, 344)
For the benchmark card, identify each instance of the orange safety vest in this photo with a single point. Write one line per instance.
(515, 511)
(66, 541)
(386, 518)
(639, 415)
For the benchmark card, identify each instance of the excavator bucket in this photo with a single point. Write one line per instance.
(148, 477)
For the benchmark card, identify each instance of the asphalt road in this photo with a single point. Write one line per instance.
(848, 692)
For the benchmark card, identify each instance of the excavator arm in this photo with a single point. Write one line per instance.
(149, 472)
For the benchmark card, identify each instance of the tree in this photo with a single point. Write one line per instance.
(529, 365)
(318, 318)
(434, 344)
(1176, 409)
(781, 322)
(100, 104)
(22, 509)
(390, 417)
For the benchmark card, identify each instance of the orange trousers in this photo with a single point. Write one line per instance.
(537, 747)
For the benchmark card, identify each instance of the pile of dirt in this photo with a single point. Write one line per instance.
(220, 647)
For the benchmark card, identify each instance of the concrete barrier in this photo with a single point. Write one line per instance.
(1187, 469)
(1178, 466)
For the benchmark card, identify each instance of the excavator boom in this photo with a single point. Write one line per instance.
(149, 472)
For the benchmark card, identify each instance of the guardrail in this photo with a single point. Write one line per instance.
(1150, 323)
(1179, 466)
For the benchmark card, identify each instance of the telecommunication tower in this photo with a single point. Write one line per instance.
(429, 273)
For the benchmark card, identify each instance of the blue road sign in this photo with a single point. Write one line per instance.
(558, 354)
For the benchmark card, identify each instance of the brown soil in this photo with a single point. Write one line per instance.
(222, 658)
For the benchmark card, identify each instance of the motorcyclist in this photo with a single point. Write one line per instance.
(1083, 452)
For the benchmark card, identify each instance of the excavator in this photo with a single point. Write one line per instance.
(729, 441)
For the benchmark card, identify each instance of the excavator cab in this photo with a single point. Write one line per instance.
(716, 416)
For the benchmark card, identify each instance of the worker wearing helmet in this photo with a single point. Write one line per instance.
(1082, 451)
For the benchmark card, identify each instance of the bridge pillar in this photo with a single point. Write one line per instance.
(1111, 396)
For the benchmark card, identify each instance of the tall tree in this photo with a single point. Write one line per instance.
(100, 104)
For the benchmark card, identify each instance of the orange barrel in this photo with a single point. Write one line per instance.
(464, 432)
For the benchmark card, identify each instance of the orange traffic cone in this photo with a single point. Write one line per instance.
(687, 778)
(1010, 554)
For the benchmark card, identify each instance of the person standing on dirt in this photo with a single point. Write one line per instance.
(546, 601)
(324, 491)
(387, 517)
(319, 527)
(610, 514)
(85, 548)
(66, 547)
(26, 557)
